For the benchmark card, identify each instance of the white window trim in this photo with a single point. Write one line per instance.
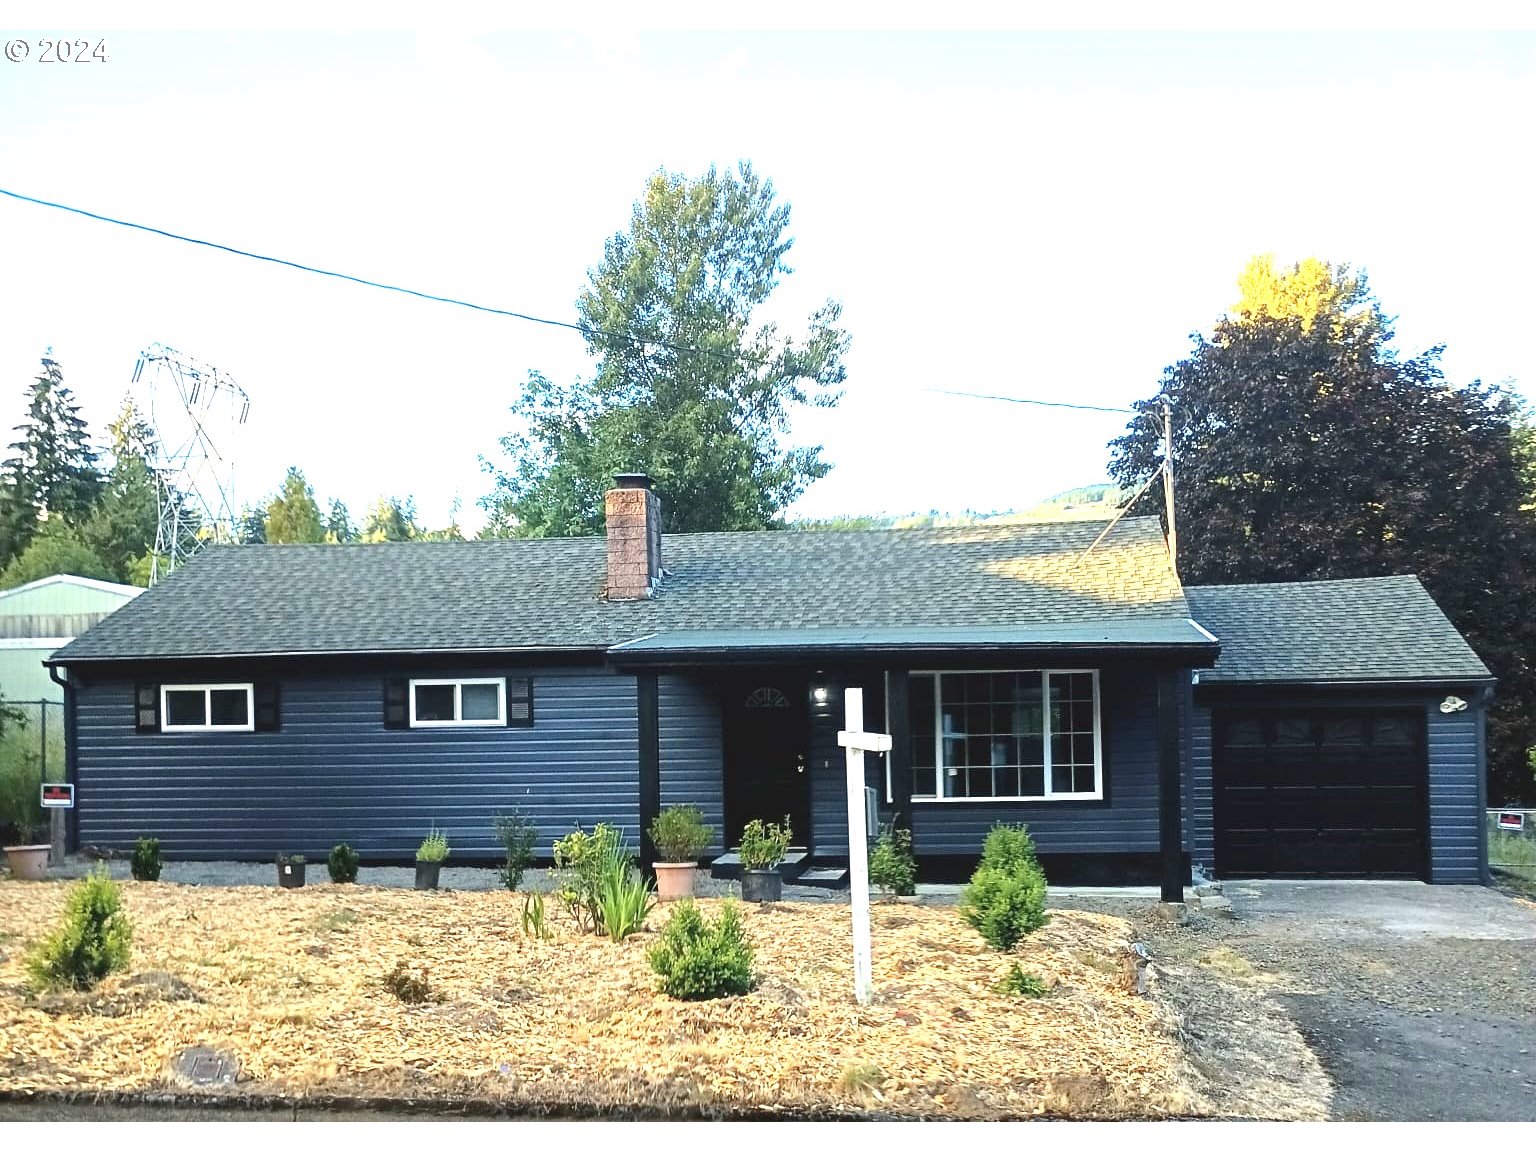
(458, 702)
(1050, 796)
(207, 690)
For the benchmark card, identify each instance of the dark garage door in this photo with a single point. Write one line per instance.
(1320, 793)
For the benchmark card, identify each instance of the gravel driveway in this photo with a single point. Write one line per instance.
(1418, 1001)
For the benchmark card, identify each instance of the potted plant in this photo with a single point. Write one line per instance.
(679, 834)
(290, 871)
(28, 858)
(763, 847)
(429, 860)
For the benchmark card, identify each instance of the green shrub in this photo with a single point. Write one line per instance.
(516, 834)
(20, 780)
(342, 863)
(146, 859)
(586, 860)
(699, 959)
(1018, 982)
(410, 985)
(1005, 899)
(91, 942)
(1008, 845)
(624, 900)
(891, 866)
(763, 845)
(434, 849)
(680, 833)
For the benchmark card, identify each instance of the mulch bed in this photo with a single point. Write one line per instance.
(291, 983)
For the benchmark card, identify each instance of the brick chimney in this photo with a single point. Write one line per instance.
(633, 515)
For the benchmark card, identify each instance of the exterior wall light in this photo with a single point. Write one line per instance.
(819, 694)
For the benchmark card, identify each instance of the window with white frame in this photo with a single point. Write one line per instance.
(1005, 736)
(207, 708)
(458, 703)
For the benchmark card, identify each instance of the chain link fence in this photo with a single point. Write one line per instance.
(1513, 849)
(31, 751)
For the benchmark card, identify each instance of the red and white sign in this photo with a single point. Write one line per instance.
(1512, 821)
(58, 795)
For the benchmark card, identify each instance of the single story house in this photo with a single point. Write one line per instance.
(282, 698)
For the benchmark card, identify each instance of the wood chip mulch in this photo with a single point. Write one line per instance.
(291, 983)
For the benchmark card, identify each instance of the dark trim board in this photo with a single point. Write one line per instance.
(648, 709)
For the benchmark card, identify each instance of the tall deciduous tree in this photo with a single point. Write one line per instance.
(391, 520)
(293, 517)
(55, 549)
(690, 386)
(1305, 448)
(52, 469)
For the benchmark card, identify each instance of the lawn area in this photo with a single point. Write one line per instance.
(291, 982)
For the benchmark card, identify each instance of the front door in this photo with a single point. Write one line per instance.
(766, 744)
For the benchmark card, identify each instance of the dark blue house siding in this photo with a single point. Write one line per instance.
(1126, 821)
(335, 773)
(692, 749)
(1455, 810)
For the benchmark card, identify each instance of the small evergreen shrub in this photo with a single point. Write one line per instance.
(1018, 982)
(145, 864)
(763, 845)
(699, 959)
(410, 985)
(891, 866)
(1005, 899)
(342, 864)
(91, 942)
(434, 849)
(680, 833)
(516, 835)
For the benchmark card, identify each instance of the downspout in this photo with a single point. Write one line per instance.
(71, 763)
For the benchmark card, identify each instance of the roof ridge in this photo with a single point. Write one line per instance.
(1397, 576)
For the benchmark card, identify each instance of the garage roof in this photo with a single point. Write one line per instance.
(1385, 628)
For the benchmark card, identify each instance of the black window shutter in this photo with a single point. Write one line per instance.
(396, 714)
(268, 713)
(519, 702)
(146, 708)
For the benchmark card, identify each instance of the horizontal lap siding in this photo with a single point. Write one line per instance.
(692, 749)
(1127, 822)
(335, 773)
(1455, 817)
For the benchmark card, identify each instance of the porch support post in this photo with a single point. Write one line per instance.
(900, 755)
(1170, 822)
(648, 702)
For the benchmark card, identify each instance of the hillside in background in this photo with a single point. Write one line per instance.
(1091, 502)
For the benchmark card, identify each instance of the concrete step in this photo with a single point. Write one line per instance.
(823, 878)
(728, 866)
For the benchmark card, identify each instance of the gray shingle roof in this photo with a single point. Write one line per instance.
(513, 594)
(1382, 628)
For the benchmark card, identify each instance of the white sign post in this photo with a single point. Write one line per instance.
(857, 742)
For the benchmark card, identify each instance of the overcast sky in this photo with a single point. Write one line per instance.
(1044, 215)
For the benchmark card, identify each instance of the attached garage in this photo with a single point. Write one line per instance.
(1341, 734)
(1320, 792)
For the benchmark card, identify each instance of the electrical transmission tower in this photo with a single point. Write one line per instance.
(194, 410)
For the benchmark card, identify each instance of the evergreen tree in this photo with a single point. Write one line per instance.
(253, 526)
(293, 517)
(52, 471)
(389, 520)
(338, 524)
(121, 530)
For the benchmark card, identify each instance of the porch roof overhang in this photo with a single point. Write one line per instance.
(1180, 641)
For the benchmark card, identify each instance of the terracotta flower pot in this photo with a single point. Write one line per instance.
(761, 885)
(675, 881)
(28, 861)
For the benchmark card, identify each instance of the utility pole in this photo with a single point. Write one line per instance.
(1173, 530)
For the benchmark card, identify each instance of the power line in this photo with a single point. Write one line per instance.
(1038, 403)
(584, 329)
